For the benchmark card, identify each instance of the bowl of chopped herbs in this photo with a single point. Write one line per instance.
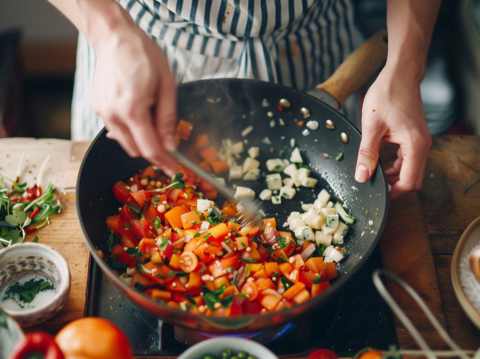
(34, 282)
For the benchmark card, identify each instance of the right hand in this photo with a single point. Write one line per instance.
(135, 94)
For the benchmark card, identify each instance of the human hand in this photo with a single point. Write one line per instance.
(135, 94)
(393, 112)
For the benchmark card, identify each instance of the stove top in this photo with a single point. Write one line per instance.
(357, 318)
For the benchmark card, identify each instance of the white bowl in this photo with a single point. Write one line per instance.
(465, 285)
(216, 346)
(10, 332)
(28, 259)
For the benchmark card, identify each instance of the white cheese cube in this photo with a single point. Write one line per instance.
(327, 260)
(246, 131)
(314, 219)
(340, 233)
(250, 164)
(276, 199)
(304, 233)
(237, 148)
(252, 175)
(220, 179)
(309, 182)
(204, 204)
(286, 162)
(332, 221)
(254, 152)
(296, 157)
(322, 238)
(288, 182)
(300, 174)
(294, 215)
(244, 192)
(235, 172)
(275, 165)
(323, 197)
(336, 256)
(287, 192)
(265, 195)
(204, 226)
(290, 170)
(328, 230)
(337, 239)
(231, 162)
(274, 181)
(295, 223)
(326, 211)
(307, 206)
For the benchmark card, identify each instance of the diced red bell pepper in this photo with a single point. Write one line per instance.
(127, 214)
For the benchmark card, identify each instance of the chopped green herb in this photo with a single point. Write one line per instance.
(110, 240)
(196, 235)
(164, 243)
(35, 240)
(134, 207)
(281, 153)
(215, 217)
(316, 280)
(339, 157)
(27, 291)
(190, 299)
(139, 286)
(286, 283)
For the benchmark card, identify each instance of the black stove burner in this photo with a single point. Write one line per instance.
(355, 319)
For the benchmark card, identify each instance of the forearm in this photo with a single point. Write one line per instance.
(410, 25)
(95, 19)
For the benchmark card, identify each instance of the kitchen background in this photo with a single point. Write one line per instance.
(37, 65)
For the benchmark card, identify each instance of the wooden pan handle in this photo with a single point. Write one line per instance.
(357, 68)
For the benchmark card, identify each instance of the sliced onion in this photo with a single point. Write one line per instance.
(240, 277)
(308, 252)
(226, 247)
(179, 241)
(270, 235)
(271, 291)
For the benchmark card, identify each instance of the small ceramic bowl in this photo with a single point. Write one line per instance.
(465, 285)
(24, 260)
(216, 346)
(10, 332)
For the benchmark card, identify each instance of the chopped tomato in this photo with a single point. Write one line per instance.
(322, 354)
(143, 228)
(121, 192)
(188, 262)
(251, 290)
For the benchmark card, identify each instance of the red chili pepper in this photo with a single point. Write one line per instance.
(30, 229)
(39, 191)
(16, 181)
(37, 343)
(34, 213)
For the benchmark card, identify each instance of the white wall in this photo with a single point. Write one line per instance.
(40, 21)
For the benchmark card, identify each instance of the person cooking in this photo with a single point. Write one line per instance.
(132, 53)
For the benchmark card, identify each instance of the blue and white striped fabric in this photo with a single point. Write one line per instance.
(297, 43)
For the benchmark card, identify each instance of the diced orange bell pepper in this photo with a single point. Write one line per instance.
(265, 283)
(189, 219)
(316, 264)
(255, 267)
(201, 141)
(223, 280)
(184, 129)
(270, 222)
(285, 268)
(174, 216)
(204, 165)
(293, 290)
(219, 167)
(176, 286)
(319, 288)
(218, 231)
(159, 294)
(272, 269)
(242, 242)
(331, 270)
(174, 261)
(301, 297)
(269, 301)
(209, 154)
(260, 274)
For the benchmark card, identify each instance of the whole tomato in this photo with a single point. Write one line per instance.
(322, 354)
(93, 338)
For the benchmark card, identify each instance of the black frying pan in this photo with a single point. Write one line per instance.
(226, 107)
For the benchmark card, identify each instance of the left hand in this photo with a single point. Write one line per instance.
(393, 112)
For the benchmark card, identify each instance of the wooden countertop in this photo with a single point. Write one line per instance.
(417, 244)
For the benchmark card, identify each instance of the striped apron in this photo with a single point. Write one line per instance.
(297, 43)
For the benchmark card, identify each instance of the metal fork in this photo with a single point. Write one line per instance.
(249, 209)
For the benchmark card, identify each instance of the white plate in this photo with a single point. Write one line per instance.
(465, 285)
